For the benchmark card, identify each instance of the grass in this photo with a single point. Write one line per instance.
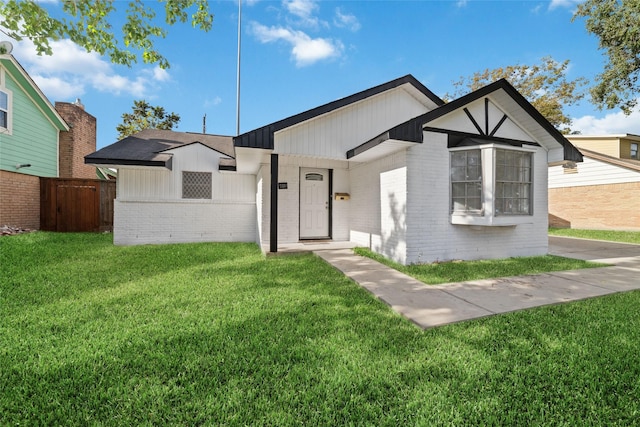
(457, 271)
(610, 235)
(215, 334)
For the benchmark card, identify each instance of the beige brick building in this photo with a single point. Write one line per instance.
(601, 193)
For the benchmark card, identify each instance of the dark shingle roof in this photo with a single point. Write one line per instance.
(147, 147)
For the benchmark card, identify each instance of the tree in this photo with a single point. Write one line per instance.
(615, 23)
(86, 22)
(145, 116)
(544, 85)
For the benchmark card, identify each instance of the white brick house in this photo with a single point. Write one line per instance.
(392, 168)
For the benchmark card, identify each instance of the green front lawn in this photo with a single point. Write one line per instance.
(611, 235)
(216, 334)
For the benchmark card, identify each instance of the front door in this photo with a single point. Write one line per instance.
(314, 203)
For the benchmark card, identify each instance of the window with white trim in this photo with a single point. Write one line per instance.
(491, 184)
(633, 150)
(466, 181)
(4, 109)
(196, 185)
(513, 182)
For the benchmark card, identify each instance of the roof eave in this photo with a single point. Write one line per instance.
(100, 162)
(34, 92)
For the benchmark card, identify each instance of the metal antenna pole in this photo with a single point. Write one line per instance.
(238, 75)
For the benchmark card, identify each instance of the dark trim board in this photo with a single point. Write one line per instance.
(368, 145)
(273, 219)
(456, 137)
(168, 164)
(330, 219)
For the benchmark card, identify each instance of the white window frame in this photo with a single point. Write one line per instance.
(9, 111)
(488, 215)
(633, 148)
(468, 179)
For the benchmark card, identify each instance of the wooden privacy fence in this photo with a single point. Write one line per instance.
(76, 204)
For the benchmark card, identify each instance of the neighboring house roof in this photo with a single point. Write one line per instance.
(630, 136)
(522, 111)
(33, 91)
(633, 165)
(264, 137)
(148, 148)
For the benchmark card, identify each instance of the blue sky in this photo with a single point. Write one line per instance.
(298, 54)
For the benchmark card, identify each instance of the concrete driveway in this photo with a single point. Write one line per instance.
(429, 306)
(594, 250)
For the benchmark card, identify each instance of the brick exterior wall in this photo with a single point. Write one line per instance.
(149, 222)
(19, 200)
(602, 207)
(78, 142)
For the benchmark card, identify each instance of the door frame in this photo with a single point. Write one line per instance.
(329, 200)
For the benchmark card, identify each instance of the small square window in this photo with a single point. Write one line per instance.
(196, 185)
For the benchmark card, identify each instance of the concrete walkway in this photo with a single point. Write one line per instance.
(429, 306)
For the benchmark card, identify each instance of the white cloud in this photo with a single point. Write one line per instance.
(304, 49)
(119, 85)
(58, 88)
(67, 57)
(70, 70)
(212, 102)
(461, 3)
(345, 20)
(161, 74)
(563, 3)
(303, 11)
(301, 8)
(612, 123)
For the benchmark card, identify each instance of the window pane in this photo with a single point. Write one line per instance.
(4, 101)
(458, 158)
(474, 204)
(458, 190)
(458, 173)
(313, 177)
(513, 183)
(474, 173)
(3, 120)
(466, 181)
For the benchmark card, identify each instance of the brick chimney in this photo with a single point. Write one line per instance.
(78, 142)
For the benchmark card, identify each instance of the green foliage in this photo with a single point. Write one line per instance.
(462, 271)
(610, 235)
(215, 334)
(615, 23)
(87, 23)
(145, 116)
(544, 85)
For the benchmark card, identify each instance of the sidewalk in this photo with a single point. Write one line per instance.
(428, 306)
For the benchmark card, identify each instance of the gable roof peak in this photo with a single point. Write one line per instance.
(263, 137)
